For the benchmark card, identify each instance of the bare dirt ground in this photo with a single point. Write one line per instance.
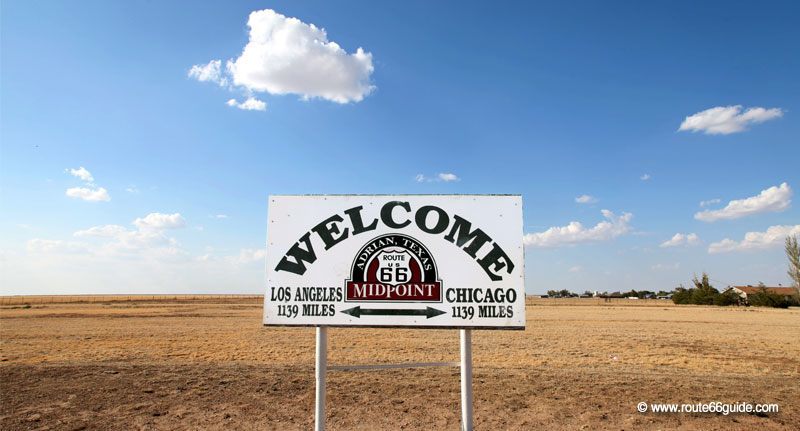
(209, 364)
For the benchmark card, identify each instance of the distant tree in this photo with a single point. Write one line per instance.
(682, 296)
(552, 293)
(765, 298)
(564, 293)
(727, 298)
(793, 253)
(703, 292)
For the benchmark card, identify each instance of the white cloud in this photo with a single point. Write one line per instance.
(724, 120)
(251, 104)
(81, 173)
(248, 255)
(680, 239)
(586, 199)
(773, 199)
(287, 56)
(576, 268)
(773, 237)
(89, 194)
(160, 221)
(113, 258)
(220, 216)
(714, 201)
(210, 72)
(105, 231)
(645, 177)
(148, 240)
(575, 232)
(440, 177)
(132, 189)
(665, 266)
(54, 246)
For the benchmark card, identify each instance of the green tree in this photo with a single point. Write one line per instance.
(765, 298)
(703, 293)
(793, 253)
(727, 298)
(682, 296)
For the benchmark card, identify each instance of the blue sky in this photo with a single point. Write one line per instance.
(552, 100)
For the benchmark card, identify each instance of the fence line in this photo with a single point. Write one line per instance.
(67, 299)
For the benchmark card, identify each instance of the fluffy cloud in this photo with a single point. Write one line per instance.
(113, 258)
(160, 221)
(210, 72)
(680, 239)
(665, 266)
(105, 231)
(81, 173)
(251, 104)
(773, 199)
(724, 120)
(586, 199)
(575, 232)
(645, 177)
(98, 194)
(287, 56)
(90, 192)
(55, 246)
(709, 202)
(248, 255)
(440, 177)
(773, 237)
(149, 239)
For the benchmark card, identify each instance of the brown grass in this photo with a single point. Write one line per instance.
(581, 363)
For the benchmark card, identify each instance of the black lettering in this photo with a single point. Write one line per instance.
(328, 228)
(358, 222)
(386, 214)
(476, 238)
(300, 256)
(493, 262)
(441, 223)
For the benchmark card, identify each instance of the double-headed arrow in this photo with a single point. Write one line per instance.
(358, 312)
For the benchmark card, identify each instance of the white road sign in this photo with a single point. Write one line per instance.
(395, 260)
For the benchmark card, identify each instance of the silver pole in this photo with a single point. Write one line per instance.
(321, 368)
(466, 380)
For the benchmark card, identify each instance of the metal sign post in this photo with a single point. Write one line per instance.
(322, 368)
(466, 376)
(466, 380)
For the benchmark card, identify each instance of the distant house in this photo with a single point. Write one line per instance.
(745, 291)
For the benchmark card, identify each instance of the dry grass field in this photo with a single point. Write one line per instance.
(207, 363)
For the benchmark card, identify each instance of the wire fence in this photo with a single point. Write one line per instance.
(77, 299)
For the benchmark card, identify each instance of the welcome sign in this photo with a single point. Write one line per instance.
(395, 260)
